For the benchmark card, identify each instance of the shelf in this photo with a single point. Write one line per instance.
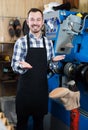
(9, 81)
(7, 42)
(5, 62)
(8, 78)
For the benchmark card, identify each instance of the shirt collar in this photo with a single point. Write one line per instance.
(33, 36)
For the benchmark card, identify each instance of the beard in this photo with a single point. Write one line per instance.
(35, 28)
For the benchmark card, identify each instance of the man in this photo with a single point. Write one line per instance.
(30, 57)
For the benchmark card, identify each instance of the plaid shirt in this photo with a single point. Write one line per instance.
(20, 51)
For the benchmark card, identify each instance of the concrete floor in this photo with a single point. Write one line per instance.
(51, 123)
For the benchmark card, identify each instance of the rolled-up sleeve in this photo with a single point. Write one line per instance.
(19, 54)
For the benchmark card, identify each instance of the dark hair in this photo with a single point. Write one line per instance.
(34, 10)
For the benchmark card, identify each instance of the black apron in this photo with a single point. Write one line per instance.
(32, 94)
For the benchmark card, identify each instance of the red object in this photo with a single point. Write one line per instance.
(74, 119)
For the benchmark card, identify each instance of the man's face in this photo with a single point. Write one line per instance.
(35, 22)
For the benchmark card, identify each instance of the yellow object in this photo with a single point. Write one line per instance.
(7, 58)
(79, 14)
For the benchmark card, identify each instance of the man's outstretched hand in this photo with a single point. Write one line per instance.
(25, 65)
(57, 58)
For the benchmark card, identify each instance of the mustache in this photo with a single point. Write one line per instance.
(35, 25)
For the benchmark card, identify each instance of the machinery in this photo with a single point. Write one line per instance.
(69, 32)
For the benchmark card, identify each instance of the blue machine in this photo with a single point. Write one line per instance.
(69, 33)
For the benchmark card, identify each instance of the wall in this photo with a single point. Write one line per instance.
(83, 5)
(19, 8)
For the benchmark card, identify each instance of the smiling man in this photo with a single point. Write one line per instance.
(30, 56)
